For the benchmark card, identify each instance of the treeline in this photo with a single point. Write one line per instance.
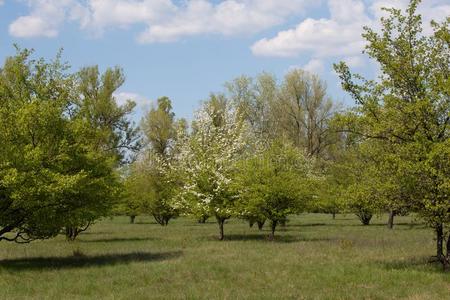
(265, 149)
(261, 150)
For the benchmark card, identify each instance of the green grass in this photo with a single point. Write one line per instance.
(313, 257)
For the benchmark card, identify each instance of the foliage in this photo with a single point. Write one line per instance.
(408, 106)
(51, 172)
(153, 181)
(275, 183)
(207, 160)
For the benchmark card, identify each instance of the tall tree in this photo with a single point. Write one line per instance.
(304, 111)
(156, 169)
(109, 130)
(409, 107)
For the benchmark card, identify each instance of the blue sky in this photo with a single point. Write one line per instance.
(186, 49)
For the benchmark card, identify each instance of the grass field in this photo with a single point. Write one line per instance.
(313, 257)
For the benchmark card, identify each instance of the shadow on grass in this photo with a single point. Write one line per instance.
(96, 233)
(307, 225)
(115, 240)
(69, 262)
(423, 263)
(264, 237)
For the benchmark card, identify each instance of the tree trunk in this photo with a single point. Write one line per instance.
(439, 242)
(390, 223)
(334, 215)
(261, 224)
(250, 223)
(364, 217)
(132, 219)
(221, 221)
(71, 233)
(203, 219)
(273, 226)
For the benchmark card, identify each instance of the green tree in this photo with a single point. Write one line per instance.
(275, 183)
(162, 134)
(49, 170)
(409, 107)
(108, 129)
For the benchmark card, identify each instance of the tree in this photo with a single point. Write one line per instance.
(208, 158)
(49, 169)
(275, 183)
(108, 129)
(158, 173)
(303, 111)
(130, 203)
(409, 107)
(255, 100)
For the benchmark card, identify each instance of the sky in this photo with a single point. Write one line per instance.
(185, 49)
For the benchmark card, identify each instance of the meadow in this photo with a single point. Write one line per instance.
(312, 257)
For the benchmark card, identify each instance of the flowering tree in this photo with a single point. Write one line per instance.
(207, 160)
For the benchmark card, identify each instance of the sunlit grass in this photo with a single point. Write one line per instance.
(313, 257)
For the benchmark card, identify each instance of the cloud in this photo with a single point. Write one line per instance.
(164, 20)
(340, 34)
(45, 18)
(315, 66)
(229, 17)
(123, 97)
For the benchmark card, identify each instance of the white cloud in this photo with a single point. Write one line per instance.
(171, 20)
(315, 66)
(165, 20)
(340, 34)
(44, 19)
(229, 17)
(123, 97)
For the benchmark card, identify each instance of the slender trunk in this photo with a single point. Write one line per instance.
(390, 223)
(439, 242)
(203, 219)
(132, 219)
(250, 223)
(273, 226)
(221, 221)
(334, 215)
(261, 224)
(447, 256)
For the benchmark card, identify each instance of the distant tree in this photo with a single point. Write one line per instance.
(158, 178)
(304, 112)
(130, 203)
(408, 106)
(275, 183)
(255, 100)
